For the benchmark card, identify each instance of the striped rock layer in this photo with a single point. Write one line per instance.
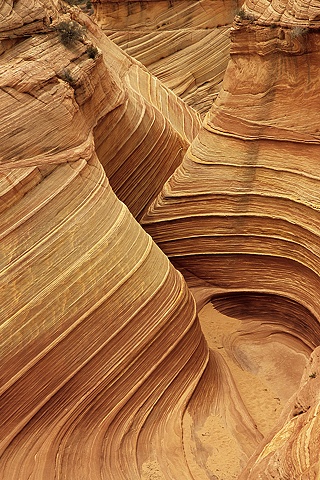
(101, 347)
(183, 43)
(105, 373)
(240, 216)
(111, 96)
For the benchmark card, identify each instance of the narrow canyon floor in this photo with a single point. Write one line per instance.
(259, 368)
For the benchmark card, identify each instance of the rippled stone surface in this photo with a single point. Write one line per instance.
(240, 216)
(105, 372)
(183, 43)
(99, 333)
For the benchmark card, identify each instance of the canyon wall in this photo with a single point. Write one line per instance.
(241, 212)
(110, 96)
(183, 43)
(99, 333)
(240, 216)
(106, 373)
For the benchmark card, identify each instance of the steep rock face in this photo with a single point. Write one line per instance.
(100, 343)
(148, 132)
(131, 115)
(240, 216)
(105, 373)
(246, 192)
(99, 333)
(184, 44)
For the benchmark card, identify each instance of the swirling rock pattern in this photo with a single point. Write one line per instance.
(99, 333)
(105, 373)
(240, 216)
(184, 44)
(96, 325)
(110, 95)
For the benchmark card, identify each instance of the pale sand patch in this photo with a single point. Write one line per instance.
(266, 374)
(151, 471)
(221, 453)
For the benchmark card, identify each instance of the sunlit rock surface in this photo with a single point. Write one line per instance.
(292, 449)
(100, 343)
(240, 219)
(184, 43)
(105, 373)
(135, 120)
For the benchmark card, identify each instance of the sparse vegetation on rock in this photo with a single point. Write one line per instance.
(73, 2)
(87, 4)
(243, 15)
(66, 76)
(299, 31)
(70, 32)
(92, 51)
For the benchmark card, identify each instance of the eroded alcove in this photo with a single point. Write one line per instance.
(259, 347)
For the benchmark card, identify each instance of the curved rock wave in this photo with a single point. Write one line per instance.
(240, 216)
(97, 343)
(184, 44)
(101, 347)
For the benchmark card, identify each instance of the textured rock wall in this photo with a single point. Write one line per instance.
(134, 119)
(100, 343)
(105, 372)
(145, 136)
(240, 216)
(99, 333)
(184, 43)
(245, 197)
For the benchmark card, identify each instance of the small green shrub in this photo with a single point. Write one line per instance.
(70, 32)
(66, 76)
(313, 375)
(243, 15)
(299, 31)
(92, 51)
(88, 3)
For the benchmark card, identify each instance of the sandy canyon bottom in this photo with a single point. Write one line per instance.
(256, 368)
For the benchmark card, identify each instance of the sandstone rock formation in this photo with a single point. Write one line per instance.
(183, 43)
(240, 216)
(111, 96)
(105, 371)
(292, 449)
(99, 333)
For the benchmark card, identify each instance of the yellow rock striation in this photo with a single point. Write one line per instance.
(99, 333)
(184, 43)
(240, 216)
(105, 371)
(112, 97)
